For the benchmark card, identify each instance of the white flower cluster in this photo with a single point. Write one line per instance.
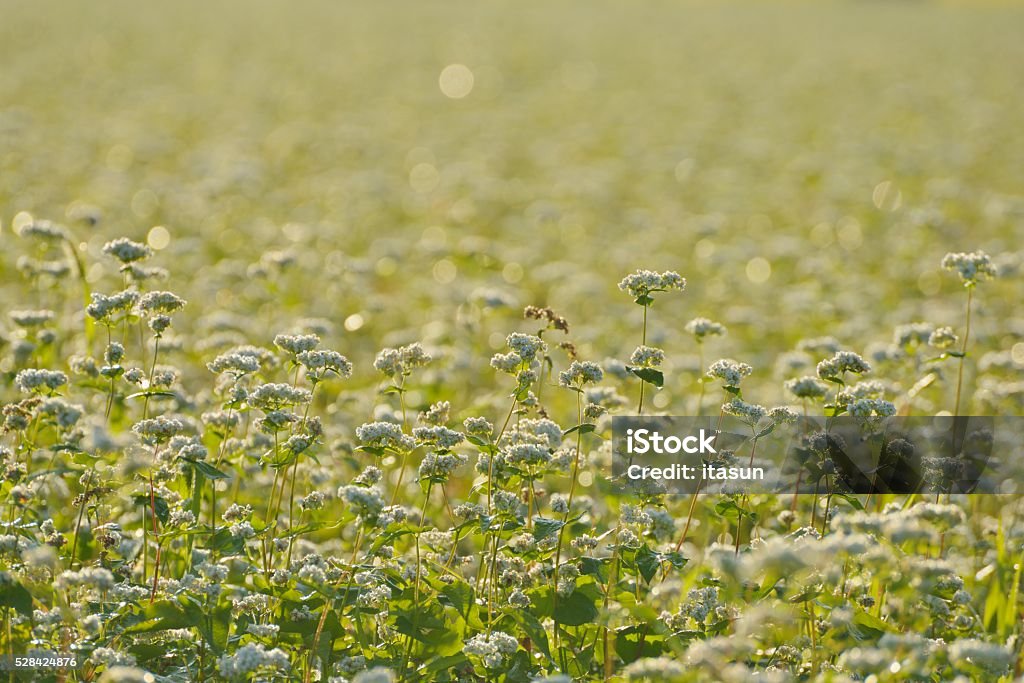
(807, 387)
(88, 577)
(526, 454)
(37, 380)
(541, 431)
(234, 362)
(385, 435)
(840, 363)
(871, 407)
(526, 346)
(439, 466)
(437, 414)
(401, 361)
(647, 357)
(43, 229)
(654, 669)
(912, 333)
(702, 327)
(438, 437)
(750, 413)
(296, 343)
(783, 415)
(31, 318)
(158, 429)
(866, 389)
(322, 361)
(276, 395)
(580, 373)
(492, 649)
(729, 371)
(250, 658)
(103, 306)
(943, 338)
(367, 502)
(478, 426)
(378, 674)
(643, 282)
(312, 501)
(160, 302)
(126, 250)
(971, 267)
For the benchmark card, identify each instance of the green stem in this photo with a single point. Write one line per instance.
(963, 352)
(640, 406)
(568, 508)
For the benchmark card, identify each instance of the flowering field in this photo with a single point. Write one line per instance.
(315, 321)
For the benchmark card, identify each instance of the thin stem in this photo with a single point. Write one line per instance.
(149, 383)
(640, 406)
(963, 352)
(81, 513)
(700, 378)
(568, 507)
(156, 561)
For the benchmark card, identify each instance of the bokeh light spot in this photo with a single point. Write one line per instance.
(758, 270)
(158, 237)
(456, 81)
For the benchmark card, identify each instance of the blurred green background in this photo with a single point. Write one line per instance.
(804, 164)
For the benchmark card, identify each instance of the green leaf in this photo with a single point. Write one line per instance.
(459, 595)
(225, 543)
(214, 629)
(634, 642)
(208, 470)
(16, 597)
(868, 625)
(140, 394)
(161, 616)
(439, 665)
(594, 566)
(575, 610)
(534, 629)
(644, 300)
(584, 428)
(163, 510)
(545, 528)
(648, 562)
(674, 558)
(729, 509)
(649, 375)
(851, 499)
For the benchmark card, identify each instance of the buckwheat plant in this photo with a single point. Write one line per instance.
(972, 268)
(641, 285)
(702, 328)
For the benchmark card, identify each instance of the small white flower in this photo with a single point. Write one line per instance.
(971, 267)
(580, 373)
(943, 338)
(702, 327)
(729, 371)
(643, 282)
(127, 251)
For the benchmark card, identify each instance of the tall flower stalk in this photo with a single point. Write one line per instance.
(972, 268)
(641, 285)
